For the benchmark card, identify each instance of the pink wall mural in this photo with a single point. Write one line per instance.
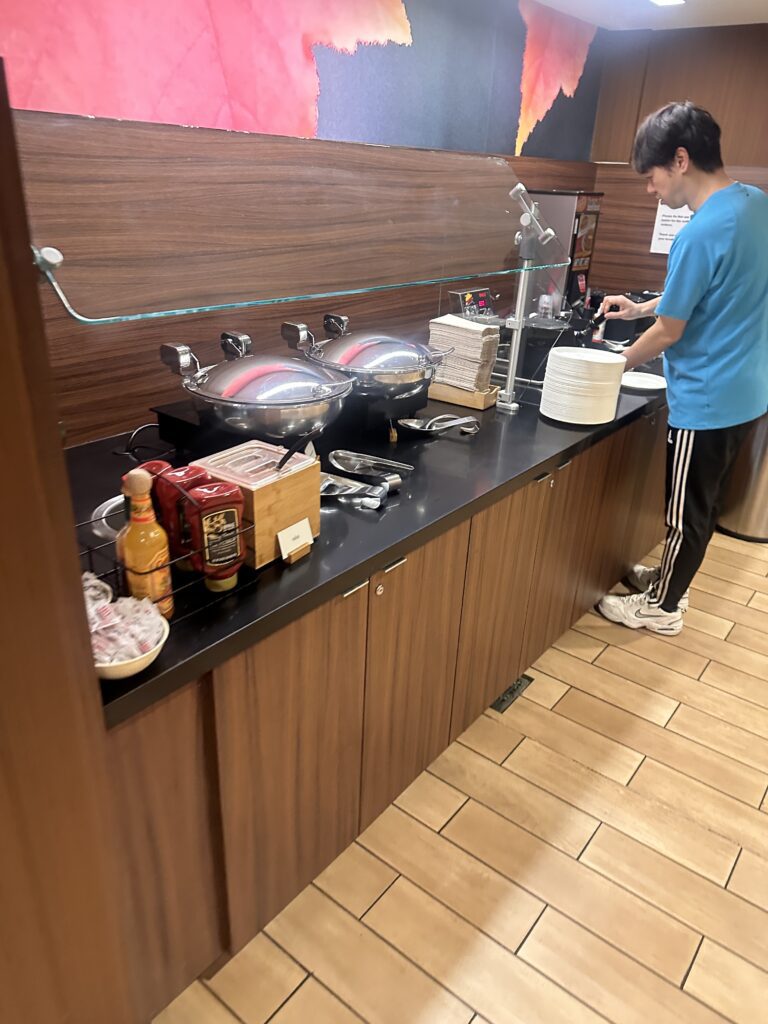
(229, 64)
(250, 65)
(556, 48)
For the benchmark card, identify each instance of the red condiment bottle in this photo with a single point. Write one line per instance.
(171, 488)
(156, 468)
(215, 516)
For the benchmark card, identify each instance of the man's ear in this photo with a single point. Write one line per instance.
(682, 160)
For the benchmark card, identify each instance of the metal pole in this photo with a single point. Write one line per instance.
(506, 400)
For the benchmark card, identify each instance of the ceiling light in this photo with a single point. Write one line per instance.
(667, 3)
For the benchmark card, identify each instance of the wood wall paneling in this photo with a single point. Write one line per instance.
(624, 56)
(162, 767)
(61, 958)
(289, 716)
(156, 216)
(623, 260)
(723, 69)
(413, 630)
(720, 68)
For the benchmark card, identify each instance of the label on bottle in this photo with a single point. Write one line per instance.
(142, 510)
(221, 536)
(153, 582)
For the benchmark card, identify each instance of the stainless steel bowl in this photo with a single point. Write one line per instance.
(271, 397)
(381, 366)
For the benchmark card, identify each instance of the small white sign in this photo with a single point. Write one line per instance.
(295, 537)
(668, 223)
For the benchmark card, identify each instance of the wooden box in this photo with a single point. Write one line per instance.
(273, 501)
(458, 396)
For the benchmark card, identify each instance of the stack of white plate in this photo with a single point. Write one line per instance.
(581, 385)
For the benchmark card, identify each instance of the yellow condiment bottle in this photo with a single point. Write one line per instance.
(144, 545)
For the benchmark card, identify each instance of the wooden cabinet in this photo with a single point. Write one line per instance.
(558, 557)
(162, 767)
(289, 716)
(502, 547)
(414, 613)
(646, 526)
(237, 791)
(542, 557)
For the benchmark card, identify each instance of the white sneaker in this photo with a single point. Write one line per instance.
(643, 577)
(638, 612)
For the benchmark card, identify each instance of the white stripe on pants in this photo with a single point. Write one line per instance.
(684, 441)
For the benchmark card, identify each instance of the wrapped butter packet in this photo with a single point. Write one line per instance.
(123, 629)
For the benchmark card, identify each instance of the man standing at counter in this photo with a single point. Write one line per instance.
(712, 326)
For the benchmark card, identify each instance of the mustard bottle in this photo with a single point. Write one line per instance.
(144, 545)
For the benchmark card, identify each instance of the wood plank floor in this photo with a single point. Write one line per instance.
(598, 852)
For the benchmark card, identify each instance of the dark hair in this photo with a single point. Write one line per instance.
(677, 125)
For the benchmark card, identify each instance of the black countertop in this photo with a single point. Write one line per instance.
(454, 477)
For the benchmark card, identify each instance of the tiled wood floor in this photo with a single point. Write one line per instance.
(597, 852)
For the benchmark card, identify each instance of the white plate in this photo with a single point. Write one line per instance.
(643, 382)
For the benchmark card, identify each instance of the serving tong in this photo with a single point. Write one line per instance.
(369, 469)
(440, 424)
(344, 491)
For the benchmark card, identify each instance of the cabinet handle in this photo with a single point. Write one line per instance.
(379, 590)
(395, 565)
(564, 465)
(542, 478)
(354, 590)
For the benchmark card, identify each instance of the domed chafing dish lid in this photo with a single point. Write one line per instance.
(373, 353)
(269, 380)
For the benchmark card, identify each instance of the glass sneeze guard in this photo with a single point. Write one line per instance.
(48, 260)
(150, 252)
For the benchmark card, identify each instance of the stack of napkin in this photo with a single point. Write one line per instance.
(474, 346)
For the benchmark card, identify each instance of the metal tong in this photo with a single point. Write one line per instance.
(440, 424)
(343, 491)
(370, 469)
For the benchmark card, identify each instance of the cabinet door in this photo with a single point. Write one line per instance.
(616, 512)
(162, 767)
(502, 546)
(591, 503)
(289, 729)
(557, 561)
(647, 527)
(413, 630)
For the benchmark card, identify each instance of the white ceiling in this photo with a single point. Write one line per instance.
(627, 14)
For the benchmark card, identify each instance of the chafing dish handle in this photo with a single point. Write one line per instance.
(298, 336)
(335, 324)
(235, 345)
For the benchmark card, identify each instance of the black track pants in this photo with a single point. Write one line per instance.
(699, 463)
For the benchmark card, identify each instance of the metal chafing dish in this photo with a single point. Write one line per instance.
(381, 367)
(272, 397)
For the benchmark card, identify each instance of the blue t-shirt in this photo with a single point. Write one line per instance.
(717, 281)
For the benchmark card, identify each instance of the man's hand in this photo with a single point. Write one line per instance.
(628, 310)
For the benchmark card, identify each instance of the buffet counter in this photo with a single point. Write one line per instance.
(454, 477)
(281, 719)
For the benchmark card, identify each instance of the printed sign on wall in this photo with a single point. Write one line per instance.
(668, 223)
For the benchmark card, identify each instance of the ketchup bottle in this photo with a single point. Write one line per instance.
(215, 515)
(156, 468)
(171, 488)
